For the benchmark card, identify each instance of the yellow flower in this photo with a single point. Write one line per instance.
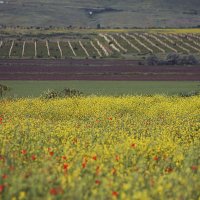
(22, 195)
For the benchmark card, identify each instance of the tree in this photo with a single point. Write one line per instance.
(173, 59)
(3, 89)
(98, 26)
(152, 60)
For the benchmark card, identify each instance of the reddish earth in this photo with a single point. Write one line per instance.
(72, 69)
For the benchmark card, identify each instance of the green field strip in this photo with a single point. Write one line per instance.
(17, 49)
(180, 44)
(99, 49)
(125, 44)
(171, 43)
(194, 48)
(106, 45)
(113, 53)
(159, 44)
(78, 50)
(91, 51)
(42, 49)
(116, 43)
(137, 44)
(183, 43)
(35, 88)
(29, 50)
(5, 48)
(67, 52)
(54, 50)
(194, 41)
(148, 44)
(169, 48)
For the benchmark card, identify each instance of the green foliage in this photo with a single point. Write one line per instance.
(189, 94)
(4, 89)
(50, 94)
(67, 92)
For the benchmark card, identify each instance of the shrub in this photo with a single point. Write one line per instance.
(67, 92)
(4, 89)
(189, 94)
(152, 60)
(50, 94)
(172, 59)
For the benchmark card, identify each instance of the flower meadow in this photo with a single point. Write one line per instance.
(100, 148)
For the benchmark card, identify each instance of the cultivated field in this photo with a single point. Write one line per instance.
(101, 45)
(74, 69)
(100, 148)
(33, 89)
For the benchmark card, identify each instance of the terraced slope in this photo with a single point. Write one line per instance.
(131, 45)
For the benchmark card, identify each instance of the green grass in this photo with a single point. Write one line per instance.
(78, 49)
(41, 50)
(35, 88)
(17, 49)
(54, 51)
(29, 51)
(4, 50)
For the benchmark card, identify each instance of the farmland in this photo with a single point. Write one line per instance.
(79, 69)
(99, 100)
(100, 148)
(33, 89)
(129, 44)
(103, 144)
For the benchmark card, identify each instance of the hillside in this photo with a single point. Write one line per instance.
(107, 13)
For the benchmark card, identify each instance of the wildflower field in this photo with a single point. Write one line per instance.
(100, 148)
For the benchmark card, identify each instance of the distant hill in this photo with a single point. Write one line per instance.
(106, 13)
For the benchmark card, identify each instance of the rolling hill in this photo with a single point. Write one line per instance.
(107, 13)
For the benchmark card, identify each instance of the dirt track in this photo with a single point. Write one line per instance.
(93, 70)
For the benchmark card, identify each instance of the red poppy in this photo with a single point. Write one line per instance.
(51, 153)
(110, 118)
(133, 145)
(117, 158)
(156, 158)
(24, 152)
(65, 166)
(1, 188)
(168, 169)
(84, 165)
(4, 176)
(94, 157)
(64, 157)
(97, 182)
(33, 157)
(194, 167)
(115, 194)
(1, 120)
(54, 191)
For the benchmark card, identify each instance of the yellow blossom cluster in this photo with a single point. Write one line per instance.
(131, 147)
